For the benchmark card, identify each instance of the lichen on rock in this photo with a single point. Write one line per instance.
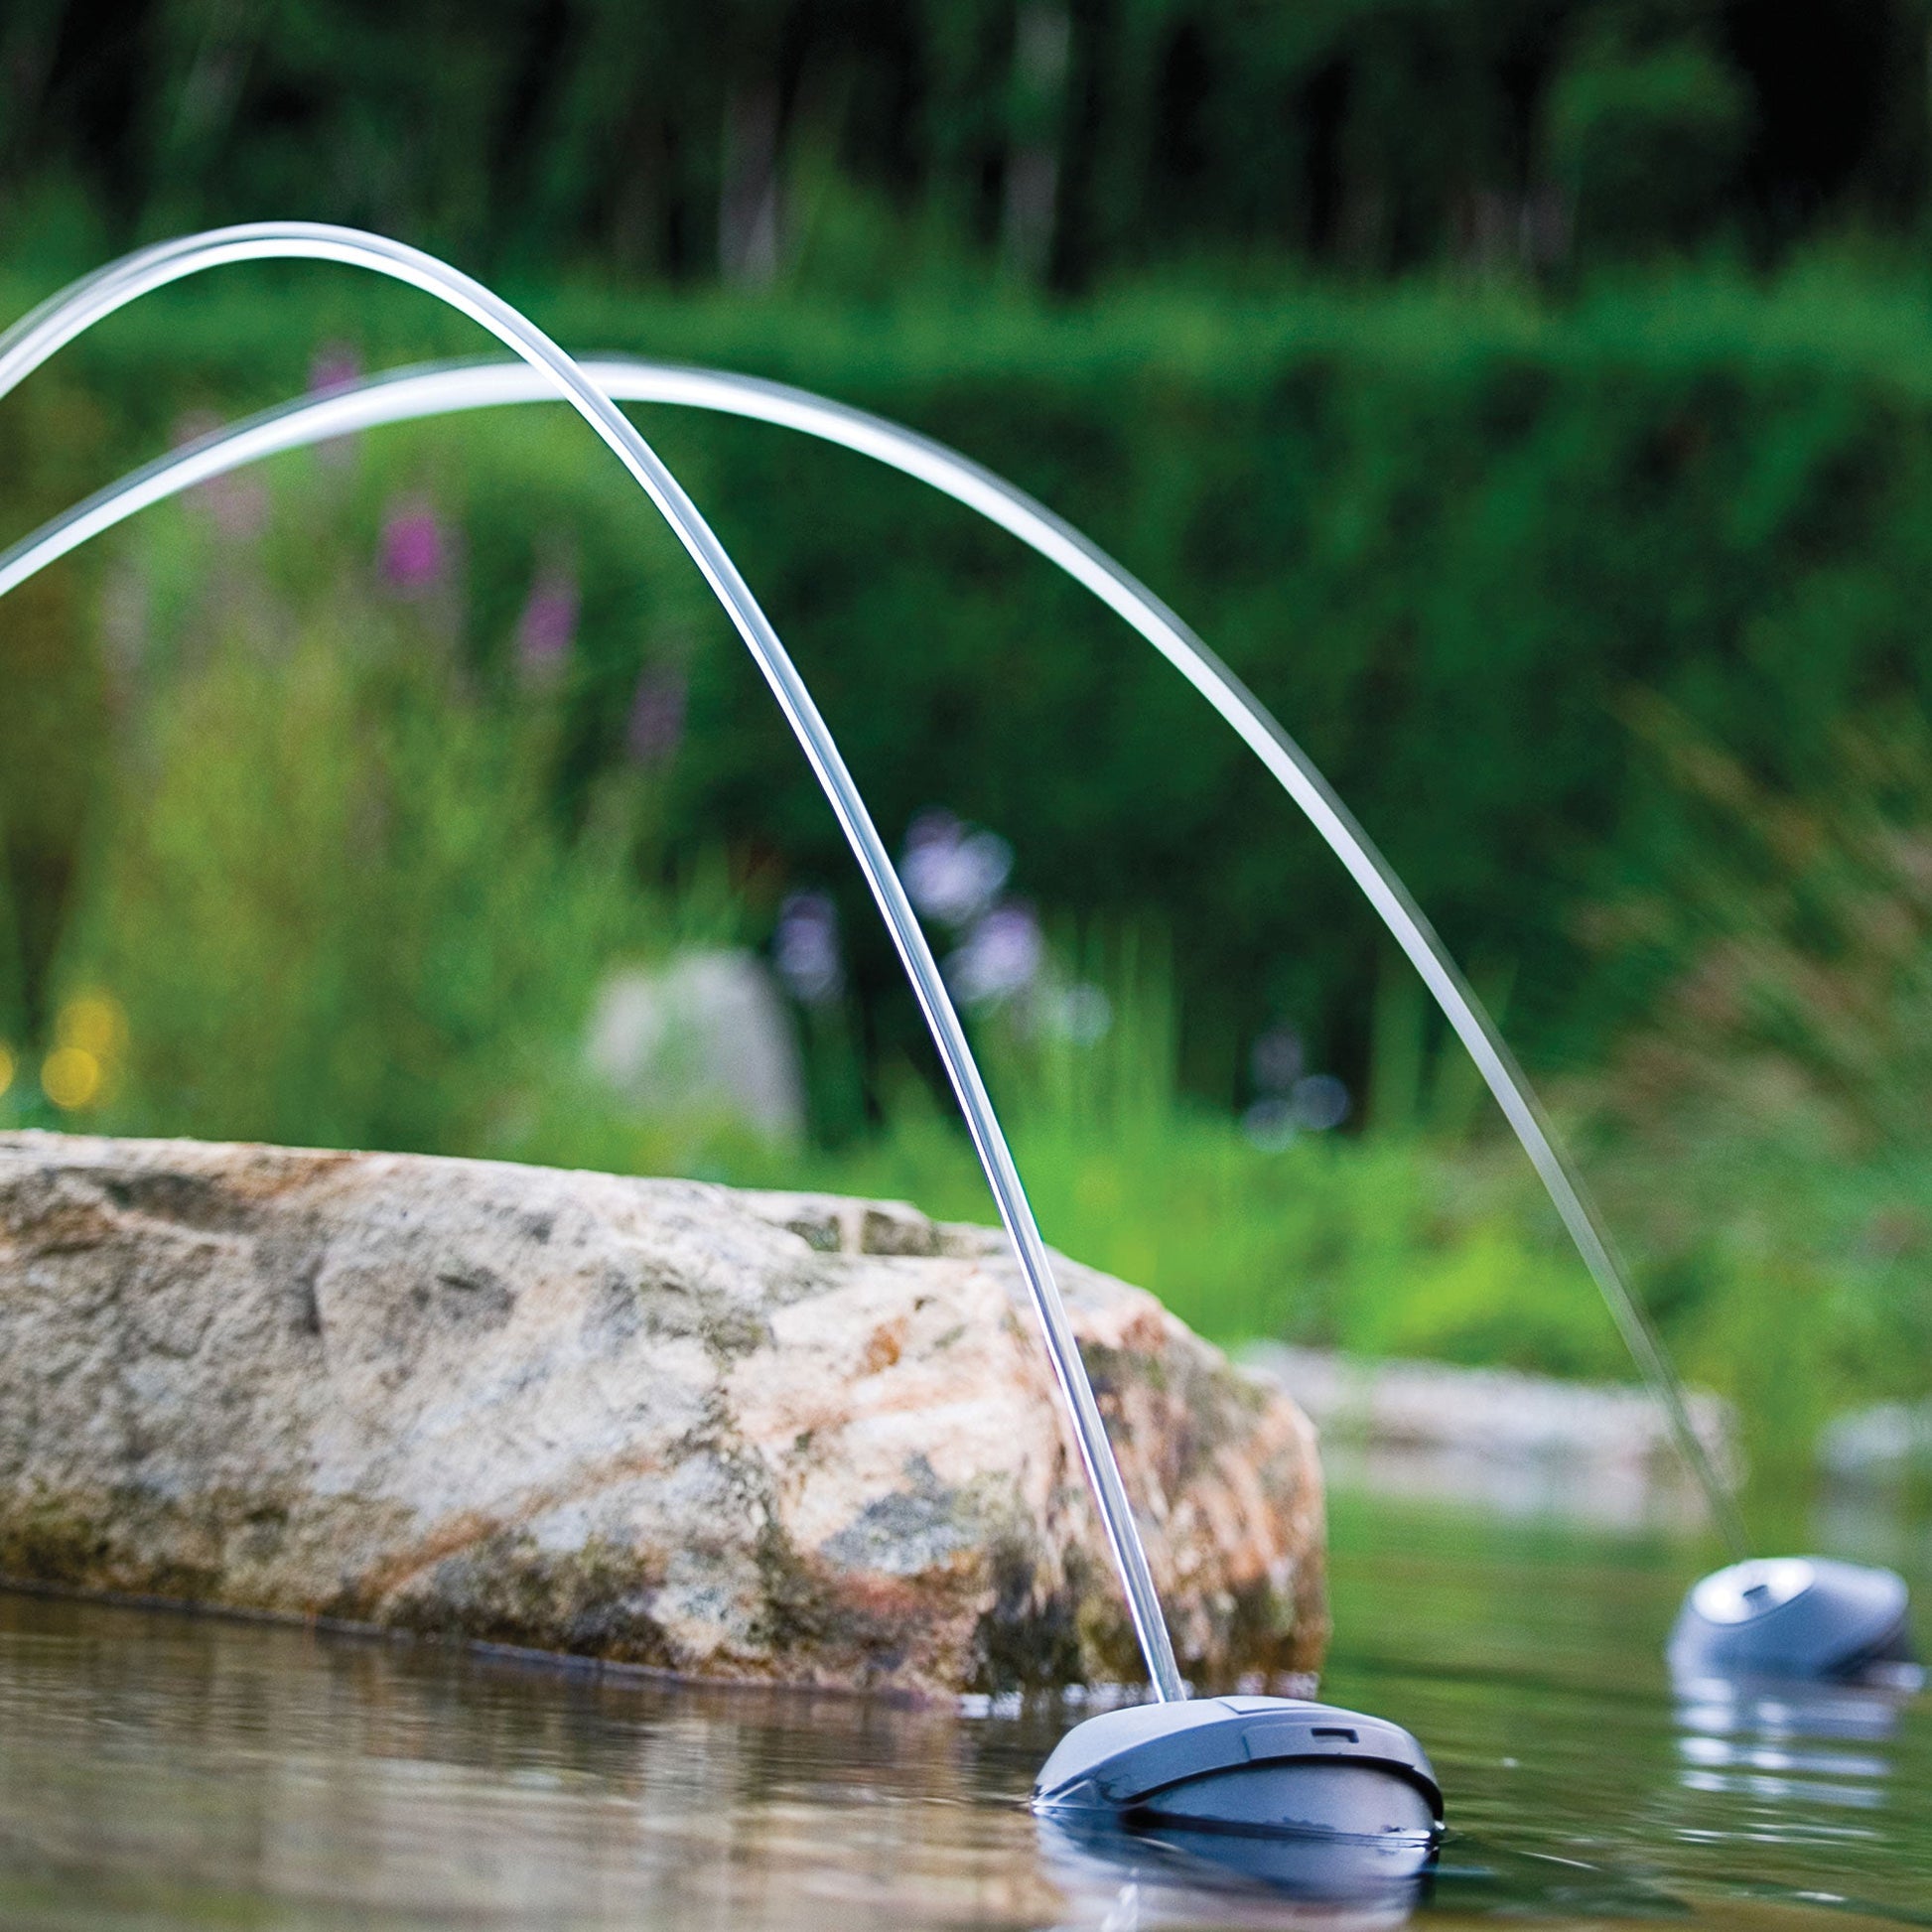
(735, 1435)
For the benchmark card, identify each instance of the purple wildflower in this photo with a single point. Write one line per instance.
(1320, 1102)
(1002, 956)
(656, 726)
(952, 872)
(805, 948)
(1270, 1123)
(236, 504)
(191, 425)
(1081, 1014)
(415, 551)
(1277, 1059)
(333, 367)
(548, 626)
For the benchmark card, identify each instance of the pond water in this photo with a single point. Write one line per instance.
(160, 1771)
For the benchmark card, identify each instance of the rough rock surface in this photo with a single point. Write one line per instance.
(753, 1436)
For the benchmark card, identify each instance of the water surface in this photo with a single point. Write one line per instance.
(160, 1771)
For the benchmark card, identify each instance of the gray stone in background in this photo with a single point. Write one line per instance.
(1529, 1444)
(1882, 1444)
(707, 1034)
(740, 1435)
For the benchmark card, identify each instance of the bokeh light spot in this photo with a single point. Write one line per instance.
(70, 1077)
(93, 1024)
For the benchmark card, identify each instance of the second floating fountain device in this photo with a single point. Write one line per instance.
(1242, 1764)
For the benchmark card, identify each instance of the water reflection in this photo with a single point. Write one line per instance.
(1781, 1741)
(175, 1772)
(1118, 1879)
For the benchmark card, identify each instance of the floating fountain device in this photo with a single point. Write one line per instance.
(1354, 1795)
(1243, 1763)
(1793, 1617)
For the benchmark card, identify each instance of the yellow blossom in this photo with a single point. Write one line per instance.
(70, 1077)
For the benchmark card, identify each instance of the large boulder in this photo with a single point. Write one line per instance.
(750, 1435)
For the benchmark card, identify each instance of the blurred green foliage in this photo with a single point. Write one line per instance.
(1571, 600)
(1649, 139)
(1059, 140)
(336, 877)
(52, 744)
(356, 867)
(1765, 1125)
(1441, 535)
(1758, 1139)
(336, 908)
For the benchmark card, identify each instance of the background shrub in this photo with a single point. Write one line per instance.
(1444, 540)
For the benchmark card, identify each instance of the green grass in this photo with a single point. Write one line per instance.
(1382, 1243)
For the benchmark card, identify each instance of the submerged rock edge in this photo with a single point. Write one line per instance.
(781, 1437)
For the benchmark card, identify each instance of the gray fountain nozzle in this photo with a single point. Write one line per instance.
(1357, 1792)
(1792, 1616)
